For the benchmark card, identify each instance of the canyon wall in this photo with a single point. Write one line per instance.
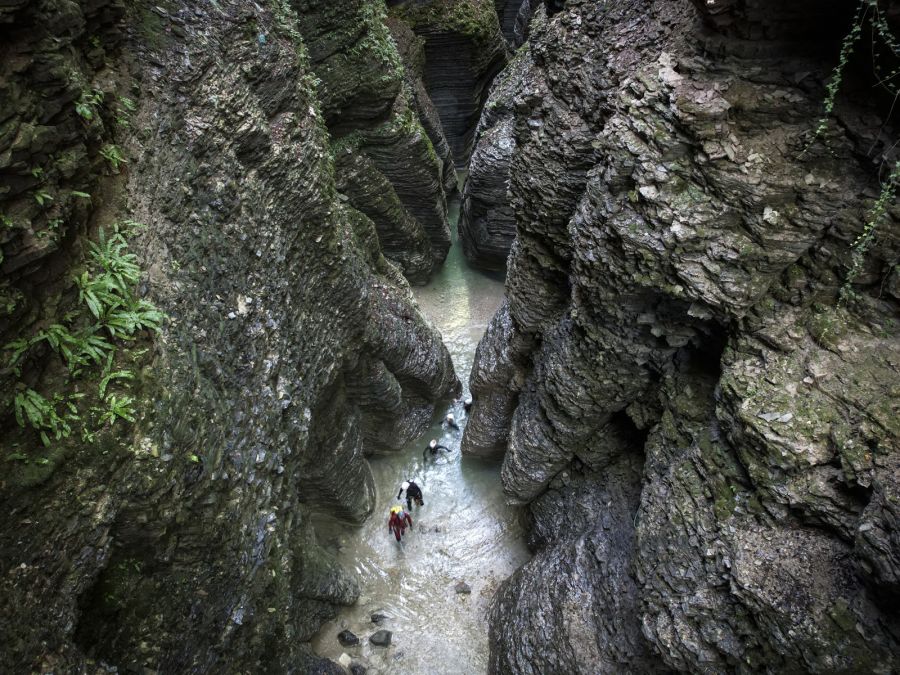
(706, 439)
(464, 49)
(272, 181)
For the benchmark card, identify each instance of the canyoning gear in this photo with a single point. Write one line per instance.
(451, 422)
(433, 449)
(397, 523)
(396, 508)
(467, 404)
(413, 494)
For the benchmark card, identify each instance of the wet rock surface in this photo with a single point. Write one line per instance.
(375, 105)
(706, 443)
(381, 638)
(464, 50)
(487, 225)
(347, 638)
(292, 349)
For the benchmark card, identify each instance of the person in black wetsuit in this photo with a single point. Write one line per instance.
(433, 450)
(413, 494)
(450, 421)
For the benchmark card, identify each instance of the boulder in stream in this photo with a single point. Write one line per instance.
(347, 638)
(463, 588)
(381, 638)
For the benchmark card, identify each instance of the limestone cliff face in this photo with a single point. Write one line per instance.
(375, 105)
(292, 347)
(464, 50)
(709, 446)
(487, 224)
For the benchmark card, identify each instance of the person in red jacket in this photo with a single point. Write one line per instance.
(398, 521)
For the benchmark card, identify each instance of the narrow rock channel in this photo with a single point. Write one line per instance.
(464, 533)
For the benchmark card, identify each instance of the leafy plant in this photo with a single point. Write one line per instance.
(123, 111)
(87, 104)
(116, 375)
(117, 407)
(113, 154)
(108, 314)
(40, 414)
(862, 243)
(80, 195)
(42, 197)
(882, 37)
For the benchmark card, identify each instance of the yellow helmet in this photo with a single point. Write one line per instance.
(396, 509)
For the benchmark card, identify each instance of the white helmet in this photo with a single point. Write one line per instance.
(404, 485)
(450, 417)
(432, 444)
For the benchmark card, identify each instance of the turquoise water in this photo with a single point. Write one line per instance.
(464, 532)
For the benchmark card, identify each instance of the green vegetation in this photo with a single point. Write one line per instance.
(112, 154)
(476, 19)
(88, 104)
(862, 243)
(377, 42)
(124, 108)
(87, 342)
(42, 197)
(883, 40)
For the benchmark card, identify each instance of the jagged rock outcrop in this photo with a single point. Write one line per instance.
(487, 225)
(374, 103)
(514, 15)
(291, 349)
(671, 309)
(464, 50)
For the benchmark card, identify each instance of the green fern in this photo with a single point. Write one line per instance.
(86, 338)
(117, 375)
(113, 154)
(117, 407)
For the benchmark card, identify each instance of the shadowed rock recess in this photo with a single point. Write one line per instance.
(292, 347)
(708, 444)
(464, 50)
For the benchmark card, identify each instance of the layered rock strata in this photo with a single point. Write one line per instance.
(707, 442)
(291, 350)
(464, 50)
(375, 105)
(487, 225)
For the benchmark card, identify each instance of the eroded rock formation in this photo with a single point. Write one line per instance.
(707, 443)
(391, 168)
(487, 225)
(464, 50)
(292, 348)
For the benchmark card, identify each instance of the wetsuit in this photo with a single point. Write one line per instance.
(413, 493)
(433, 451)
(397, 523)
(452, 424)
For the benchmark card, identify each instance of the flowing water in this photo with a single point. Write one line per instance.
(464, 533)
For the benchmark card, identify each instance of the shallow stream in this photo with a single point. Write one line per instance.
(464, 532)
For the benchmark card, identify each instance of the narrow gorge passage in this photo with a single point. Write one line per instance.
(465, 532)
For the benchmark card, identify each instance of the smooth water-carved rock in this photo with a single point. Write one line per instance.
(381, 638)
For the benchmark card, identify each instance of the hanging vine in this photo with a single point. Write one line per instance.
(885, 46)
